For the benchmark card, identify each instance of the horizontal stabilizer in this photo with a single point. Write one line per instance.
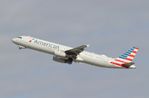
(127, 65)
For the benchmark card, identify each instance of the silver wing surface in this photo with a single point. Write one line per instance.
(71, 55)
(76, 51)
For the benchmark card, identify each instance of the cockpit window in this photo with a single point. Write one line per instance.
(20, 37)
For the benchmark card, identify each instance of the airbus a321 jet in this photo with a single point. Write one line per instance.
(65, 54)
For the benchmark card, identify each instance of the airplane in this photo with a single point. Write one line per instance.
(65, 54)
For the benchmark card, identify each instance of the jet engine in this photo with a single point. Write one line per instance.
(62, 59)
(59, 59)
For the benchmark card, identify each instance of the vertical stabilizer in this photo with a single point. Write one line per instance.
(126, 59)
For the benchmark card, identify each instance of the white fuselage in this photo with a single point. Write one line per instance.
(52, 48)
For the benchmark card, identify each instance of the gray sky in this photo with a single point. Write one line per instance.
(111, 27)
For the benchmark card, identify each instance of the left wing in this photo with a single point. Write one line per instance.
(70, 55)
(76, 51)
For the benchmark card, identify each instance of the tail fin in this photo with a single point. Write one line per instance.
(130, 54)
(126, 59)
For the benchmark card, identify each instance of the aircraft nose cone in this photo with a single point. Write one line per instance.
(14, 40)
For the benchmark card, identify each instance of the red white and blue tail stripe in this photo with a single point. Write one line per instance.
(126, 59)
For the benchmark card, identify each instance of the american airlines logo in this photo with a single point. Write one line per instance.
(46, 44)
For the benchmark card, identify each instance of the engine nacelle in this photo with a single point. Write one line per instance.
(62, 60)
(59, 59)
(60, 53)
